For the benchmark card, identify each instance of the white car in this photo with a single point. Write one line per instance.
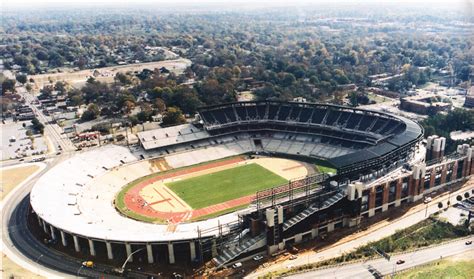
(257, 258)
(428, 200)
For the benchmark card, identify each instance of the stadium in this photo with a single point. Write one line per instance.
(243, 178)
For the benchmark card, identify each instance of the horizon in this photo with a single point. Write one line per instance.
(232, 4)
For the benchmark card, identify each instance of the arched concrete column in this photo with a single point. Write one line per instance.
(128, 248)
(149, 252)
(63, 238)
(53, 233)
(192, 249)
(76, 243)
(91, 247)
(171, 253)
(110, 253)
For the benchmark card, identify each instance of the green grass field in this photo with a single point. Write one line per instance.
(218, 187)
(325, 169)
(444, 269)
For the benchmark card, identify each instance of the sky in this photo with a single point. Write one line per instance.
(46, 3)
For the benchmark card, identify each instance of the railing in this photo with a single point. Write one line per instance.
(295, 189)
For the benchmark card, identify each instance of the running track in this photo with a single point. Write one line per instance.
(135, 202)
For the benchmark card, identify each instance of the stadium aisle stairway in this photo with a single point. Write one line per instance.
(228, 255)
(312, 209)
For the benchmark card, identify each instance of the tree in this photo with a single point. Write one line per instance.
(160, 105)
(60, 86)
(128, 106)
(37, 125)
(123, 78)
(21, 79)
(287, 80)
(440, 205)
(459, 198)
(173, 116)
(91, 113)
(8, 85)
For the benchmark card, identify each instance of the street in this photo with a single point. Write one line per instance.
(52, 131)
(384, 267)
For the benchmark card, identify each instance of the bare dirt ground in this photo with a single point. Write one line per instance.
(10, 269)
(77, 78)
(11, 178)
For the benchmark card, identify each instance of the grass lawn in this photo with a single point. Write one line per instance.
(444, 269)
(324, 169)
(218, 187)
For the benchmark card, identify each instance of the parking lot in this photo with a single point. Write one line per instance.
(16, 144)
(458, 213)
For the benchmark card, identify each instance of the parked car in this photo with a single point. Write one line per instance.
(237, 265)
(258, 257)
(469, 242)
(293, 257)
(427, 200)
(400, 262)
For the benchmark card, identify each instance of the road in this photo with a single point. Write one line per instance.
(52, 131)
(415, 215)
(20, 245)
(384, 267)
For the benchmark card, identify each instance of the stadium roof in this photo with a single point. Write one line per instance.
(170, 136)
(77, 196)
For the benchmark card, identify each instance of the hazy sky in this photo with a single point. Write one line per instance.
(57, 3)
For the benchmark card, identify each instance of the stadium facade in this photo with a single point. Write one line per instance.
(380, 161)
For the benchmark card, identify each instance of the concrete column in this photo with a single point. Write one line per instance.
(298, 238)
(91, 247)
(128, 248)
(149, 253)
(330, 227)
(53, 233)
(192, 248)
(398, 203)
(371, 212)
(63, 238)
(171, 253)
(39, 220)
(45, 227)
(76, 243)
(384, 207)
(314, 233)
(110, 254)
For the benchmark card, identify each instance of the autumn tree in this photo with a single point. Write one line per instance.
(173, 116)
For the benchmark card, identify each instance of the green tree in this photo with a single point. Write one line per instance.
(37, 125)
(91, 113)
(8, 85)
(21, 79)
